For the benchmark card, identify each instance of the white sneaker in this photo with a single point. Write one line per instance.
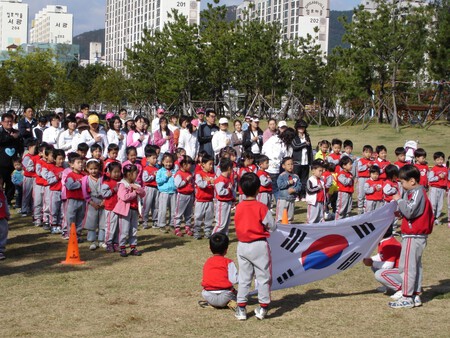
(241, 313)
(93, 246)
(417, 301)
(402, 303)
(102, 245)
(260, 312)
(397, 295)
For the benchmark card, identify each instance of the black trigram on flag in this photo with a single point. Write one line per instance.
(349, 261)
(285, 276)
(364, 229)
(296, 236)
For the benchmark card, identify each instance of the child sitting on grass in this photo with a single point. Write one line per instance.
(219, 274)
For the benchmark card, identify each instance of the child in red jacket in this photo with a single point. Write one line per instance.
(184, 207)
(204, 197)
(219, 274)
(417, 224)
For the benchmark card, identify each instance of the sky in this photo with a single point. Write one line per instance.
(90, 14)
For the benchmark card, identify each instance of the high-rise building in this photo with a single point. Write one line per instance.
(13, 23)
(95, 52)
(52, 24)
(371, 5)
(298, 18)
(126, 20)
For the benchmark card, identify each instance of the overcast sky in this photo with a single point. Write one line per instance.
(90, 14)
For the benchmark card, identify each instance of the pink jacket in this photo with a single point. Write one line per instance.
(124, 197)
(159, 140)
(64, 175)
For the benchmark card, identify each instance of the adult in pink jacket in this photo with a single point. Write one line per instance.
(163, 137)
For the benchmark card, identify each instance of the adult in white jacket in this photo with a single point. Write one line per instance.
(50, 135)
(276, 148)
(66, 137)
(188, 139)
(117, 136)
(95, 135)
(222, 138)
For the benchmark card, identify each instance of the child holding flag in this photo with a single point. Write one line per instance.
(253, 221)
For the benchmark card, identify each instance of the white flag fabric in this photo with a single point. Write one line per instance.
(304, 253)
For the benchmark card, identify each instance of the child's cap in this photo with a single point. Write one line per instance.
(79, 116)
(109, 115)
(195, 123)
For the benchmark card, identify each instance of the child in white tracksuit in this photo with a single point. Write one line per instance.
(315, 193)
(127, 209)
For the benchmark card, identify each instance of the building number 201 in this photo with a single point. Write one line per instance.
(181, 4)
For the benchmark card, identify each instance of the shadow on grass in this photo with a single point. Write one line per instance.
(151, 243)
(41, 253)
(293, 301)
(439, 291)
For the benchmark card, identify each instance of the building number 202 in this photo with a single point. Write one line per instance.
(181, 4)
(314, 20)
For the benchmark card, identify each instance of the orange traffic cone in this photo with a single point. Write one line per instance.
(73, 254)
(285, 218)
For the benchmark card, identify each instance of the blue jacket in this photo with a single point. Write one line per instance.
(165, 184)
(283, 186)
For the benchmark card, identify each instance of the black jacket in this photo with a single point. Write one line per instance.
(23, 126)
(247, 139)
(10, 148)
(204, 136)
(298, 146)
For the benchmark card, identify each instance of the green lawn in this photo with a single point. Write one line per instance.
(157, 294)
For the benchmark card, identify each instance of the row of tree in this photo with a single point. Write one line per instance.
(394, 50)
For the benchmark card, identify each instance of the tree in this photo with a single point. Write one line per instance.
(439, 43)
(256, 65)
(144, 64)
(111, 88)
(303, 65)
(34, 76)
(387, 46)
(6, 85)
(216, 43)
(175, 70)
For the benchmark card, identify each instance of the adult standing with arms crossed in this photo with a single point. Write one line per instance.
(27, 124)
(302, 154)
(207, 131)
(253, 137)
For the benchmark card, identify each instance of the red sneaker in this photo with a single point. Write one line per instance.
(178, 232)
(187, 231)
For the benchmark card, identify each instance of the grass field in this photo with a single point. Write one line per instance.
(157, 294)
